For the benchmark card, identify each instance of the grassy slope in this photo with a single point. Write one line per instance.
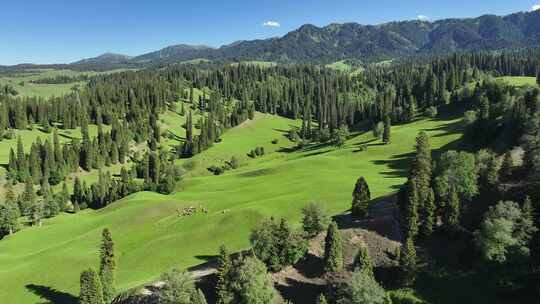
(44, 90)
(519, 81)
(149, 236)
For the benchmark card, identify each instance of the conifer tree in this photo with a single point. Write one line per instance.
(428, 214)
(198, 297)
(107, 265)
(411, 209)
(362, 261)
(91, 292)
(452, 212)
(387, 130)
(224, 269)
(22, 162)
(12, 165)
(9, 218)
(507, 166)
(361, 198)
(189, 127)
(407, 263)
(28, 198)
(333, 249)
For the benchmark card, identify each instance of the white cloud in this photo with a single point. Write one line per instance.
(271, 24)
(535, 7)
(422, 18)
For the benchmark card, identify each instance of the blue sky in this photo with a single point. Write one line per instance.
(59, 31)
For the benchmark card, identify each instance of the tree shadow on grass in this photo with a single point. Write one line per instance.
(51, 295)
(399, 164)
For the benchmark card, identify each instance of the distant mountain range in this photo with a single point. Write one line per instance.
(334, 42)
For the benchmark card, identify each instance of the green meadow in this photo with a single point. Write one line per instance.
(43, 264)
(519, 81)
(21, 81)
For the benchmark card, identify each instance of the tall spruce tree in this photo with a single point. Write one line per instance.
(361, 198)
(387, 130)
(421, 173)
(407, 263)
(451, 212)
(411, 209)
(91, 292)
(333, 249)
(107, 265)
(224, 269)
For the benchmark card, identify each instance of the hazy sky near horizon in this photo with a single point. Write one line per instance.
(62, 31)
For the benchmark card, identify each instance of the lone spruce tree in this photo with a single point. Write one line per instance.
(333, 249)
(361, 198)
(107, 265)
(91, 292)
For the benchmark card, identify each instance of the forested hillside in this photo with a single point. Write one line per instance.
(397, 161)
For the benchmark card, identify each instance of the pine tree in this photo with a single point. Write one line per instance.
(22, 162)
(362, 261)
(361, 198)
(421, 174)
(387, 130)
(411, 209)
(451, 212)
(91, 292)
(78, 196)
(507, 166)
(198, 298)
(37, 213)
(407, 263)
(333, 250)
(428, 214)
(9, 218)
(9, 194)
(12, 165)
(189, 127)
(28, 198)
(224, 269)
(107, 265)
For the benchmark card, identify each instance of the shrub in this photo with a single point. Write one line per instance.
(254, 153)
(190, 165)
(277, 245)
(9, 134)
(314, 220)
(432, 111)
(275, 141)
(234, 163)
(470, 117)
(378, 130)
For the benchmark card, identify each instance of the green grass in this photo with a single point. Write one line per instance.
(21, 82)
(150, 238)
(519, 81)
(343, 66)
(263, 64)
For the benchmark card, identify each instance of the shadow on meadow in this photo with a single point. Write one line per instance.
(51, 295)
